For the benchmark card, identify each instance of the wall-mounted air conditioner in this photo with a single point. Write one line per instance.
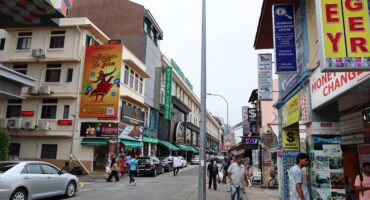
(14, 123)
(43, 125)
(45, 90)
(38, 53)
(29, 125)
(32, 90)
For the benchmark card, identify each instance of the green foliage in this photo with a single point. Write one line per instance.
(4, 144)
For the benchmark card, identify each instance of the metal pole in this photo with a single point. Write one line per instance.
(72, 141)
(203, 110)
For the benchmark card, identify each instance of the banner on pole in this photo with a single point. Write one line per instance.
(168, 95)
(265, 77)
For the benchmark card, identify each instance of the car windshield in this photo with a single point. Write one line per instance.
(6, 166)
(144, 160)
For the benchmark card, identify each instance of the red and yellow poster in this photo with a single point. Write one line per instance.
(101, 81)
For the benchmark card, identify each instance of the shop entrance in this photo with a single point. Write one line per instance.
(100, 158)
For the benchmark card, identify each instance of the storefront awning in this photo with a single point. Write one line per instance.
(192, 149)
(182, 147)
(132, 144)
(94, 141)
(168, 145)
(150, 140)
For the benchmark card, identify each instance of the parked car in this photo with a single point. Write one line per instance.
(195, 160)
(27, 180)
(150, 165)
(184, 163)
(167, 163)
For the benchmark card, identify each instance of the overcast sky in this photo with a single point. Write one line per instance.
(231, 58)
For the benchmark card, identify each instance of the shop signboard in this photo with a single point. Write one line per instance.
(245, 113)
(326, 87)
(325, 128)
(292, 110)
(252, 114)
(351, 128)
(132, 115)
(246, 129)
(344, 34)
(265, 77)
(305, 106)
(284, 38)
(168, 94)
(97, 129)
(227, 143)
(130, 132)
(289, 160)
(291, 140)
(101, 81)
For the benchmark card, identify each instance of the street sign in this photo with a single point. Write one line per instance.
(265, 77)
(168, 95)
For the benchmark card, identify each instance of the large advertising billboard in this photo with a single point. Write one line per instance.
(101, 81)
(94, 129)
(265, 77)
(344, 34)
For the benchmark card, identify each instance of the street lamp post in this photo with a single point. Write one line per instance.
(72, 142)
(203, 110)
(227, 110)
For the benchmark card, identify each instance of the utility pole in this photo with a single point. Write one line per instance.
(203, 110)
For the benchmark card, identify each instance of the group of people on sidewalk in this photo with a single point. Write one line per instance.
(121, 165)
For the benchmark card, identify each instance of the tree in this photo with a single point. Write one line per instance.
(4, 144)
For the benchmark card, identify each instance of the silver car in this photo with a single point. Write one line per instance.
(27, 180)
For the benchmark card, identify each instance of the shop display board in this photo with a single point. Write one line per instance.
(289, 160)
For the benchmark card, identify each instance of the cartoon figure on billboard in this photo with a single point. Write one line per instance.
(103, 86)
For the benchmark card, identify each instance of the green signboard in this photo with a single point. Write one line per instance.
(168, 95)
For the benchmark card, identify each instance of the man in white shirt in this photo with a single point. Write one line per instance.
(236, 173)
(176, 165)
(297, 182)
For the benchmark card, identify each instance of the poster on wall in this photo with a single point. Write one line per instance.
(289, 160)
(265, 77)
(351, 128)
(321, 194)
(344, 35)
(101, 81)
(284, 38)
(129, 132)
(93, 129)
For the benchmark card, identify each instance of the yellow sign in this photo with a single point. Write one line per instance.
(292, 110)
(291, 139)
(345, 29)
(101, 81)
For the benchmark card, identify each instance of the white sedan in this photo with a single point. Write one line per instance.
(184, 163)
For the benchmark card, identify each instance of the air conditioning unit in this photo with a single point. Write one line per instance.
(29, 125)
(14, 123)
(38, 53)
(32, 90)
(42, 125)
(2, 123)
(45, 90)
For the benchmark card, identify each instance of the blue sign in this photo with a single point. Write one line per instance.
(284, 37)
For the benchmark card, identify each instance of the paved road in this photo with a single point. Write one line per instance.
(163, 187)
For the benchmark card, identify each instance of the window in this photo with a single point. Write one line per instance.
(49, 169)
(49, 151)
(69, 75)
(14, 149)
(2, 43)
(126, 75)
(14, 108)
(53, 73)
(24, 40)
(20, 68)
(162, 97)
(57, 39)
(136, 82)
(89, 40)
(32, 169)
(141, 85)
(49, 109)
(66, 112)
(145, 27)
(131, 79)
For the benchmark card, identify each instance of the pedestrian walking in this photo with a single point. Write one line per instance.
(122, 166)
(133, 169)
(236, 173)
(113, 168)
(362, 183)
(212, 174)
(298, 184)
(176, 165)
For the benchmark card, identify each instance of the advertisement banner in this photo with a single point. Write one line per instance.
(94, 129)
(305, 105)
(291, 141)
(325, 87)
(168, 94)
(252, 115)
(284, 38)
(344, 34)
(292, 110)
(246, 129)
(101, 81)
(351, 128)
(227, 143)
(132, 115)
(325, 128)
(129, 132)
(289, 160)
(265, 77)
(245, 113)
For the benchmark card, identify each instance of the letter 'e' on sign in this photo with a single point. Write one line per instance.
(344, 34)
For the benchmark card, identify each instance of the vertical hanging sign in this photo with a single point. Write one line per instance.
(168, 95)
(284, 38)
(264, 77)
(344, 34)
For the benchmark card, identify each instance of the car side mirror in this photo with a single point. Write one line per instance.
(62, 172)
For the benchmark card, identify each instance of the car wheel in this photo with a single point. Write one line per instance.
(19, 194)
(154, 172)
(162, 172)
(70, 190)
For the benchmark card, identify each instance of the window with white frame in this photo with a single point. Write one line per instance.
(57, 39)
(52, 74)
(125, 77)
(2, 44)
(49, 108)
(136, 83)
(14, 108)
(24, 40)
(21, 68)
(141, 83)
(132, 74)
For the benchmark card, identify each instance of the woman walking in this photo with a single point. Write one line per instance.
(114, 168)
